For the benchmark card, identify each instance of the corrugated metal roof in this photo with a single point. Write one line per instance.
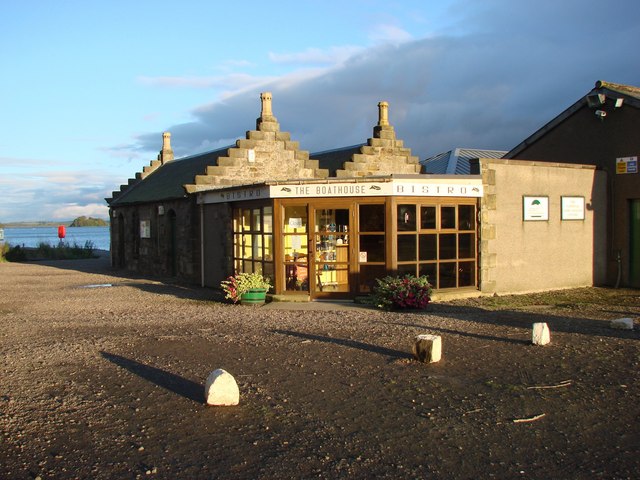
(456, 162)
(166, 183)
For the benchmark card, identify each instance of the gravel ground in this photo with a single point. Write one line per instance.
(102, 376)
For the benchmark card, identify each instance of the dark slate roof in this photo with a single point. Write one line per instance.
(166, 182)
(457, 161)
(334, 159)
(612, 91)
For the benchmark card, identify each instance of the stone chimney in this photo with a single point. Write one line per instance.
(166, 154)
(383, 129)
(267, 122)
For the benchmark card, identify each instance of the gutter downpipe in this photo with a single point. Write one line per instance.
(201, 245)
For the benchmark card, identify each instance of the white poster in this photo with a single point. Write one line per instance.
(535, 208)
(572, 208)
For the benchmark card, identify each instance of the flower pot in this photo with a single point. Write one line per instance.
(256, 296)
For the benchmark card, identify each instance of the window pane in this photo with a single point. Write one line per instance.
(371, 218)
(447, 276)
(295, 219)
(466, 277)
(447, 246)
(406, 218)
(431, 271)
(406, 248)
(268, 247)
(466, 245)
(466, 217)
(428, 217)
(372, 246)
(447, 217)
(407, 269)
(256, 252)
(246, 219)
(368, 275)
(428, 247)
(257, 220)
(268, 219)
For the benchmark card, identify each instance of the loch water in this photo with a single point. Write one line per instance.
(33, 236)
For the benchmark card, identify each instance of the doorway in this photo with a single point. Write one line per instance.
(316, 248)
(634, 243)
(331, 252)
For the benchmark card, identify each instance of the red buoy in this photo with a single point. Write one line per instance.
(61, 232)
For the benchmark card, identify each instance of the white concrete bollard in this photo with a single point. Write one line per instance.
(221, 389)
(622, 323)
(541, 334)
(427, 348)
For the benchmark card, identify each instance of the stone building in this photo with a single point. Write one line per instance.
(327, 225)
(601, 129)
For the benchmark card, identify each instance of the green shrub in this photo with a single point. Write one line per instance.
(407, 291)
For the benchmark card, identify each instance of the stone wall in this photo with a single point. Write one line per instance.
(526, 256)
(172, 248)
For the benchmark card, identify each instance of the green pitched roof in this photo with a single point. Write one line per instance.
(166, 182)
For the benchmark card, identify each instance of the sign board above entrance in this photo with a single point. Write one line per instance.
(437, 187)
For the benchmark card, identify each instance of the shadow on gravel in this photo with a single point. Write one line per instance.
(172, 382)
(524, 319)
(395, 354)
(430, 328)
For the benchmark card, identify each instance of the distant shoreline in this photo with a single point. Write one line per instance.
(66, 223)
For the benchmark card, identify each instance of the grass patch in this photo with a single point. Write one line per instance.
(45, 251)
(570, 299)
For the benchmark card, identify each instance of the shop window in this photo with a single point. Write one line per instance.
(371, 248)
(447, 246)
(368, 276)
(445, 242)
(253, 240)
(406, 221)
(466, 217)
(428, 217)
(371, 218)
(407, 248)
(448, 217)
(428, 247)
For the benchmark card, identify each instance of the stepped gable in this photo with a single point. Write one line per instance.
(165, 155)
(383, 154)
(265, 154)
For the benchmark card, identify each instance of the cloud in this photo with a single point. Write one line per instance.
(54, 194)
(509, 68)
(387, 33)
(71, 211)
(315, 56)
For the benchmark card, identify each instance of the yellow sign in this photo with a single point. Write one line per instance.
(626, 165)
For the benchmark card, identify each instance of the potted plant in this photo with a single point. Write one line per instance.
(246, 288)
(402, 292)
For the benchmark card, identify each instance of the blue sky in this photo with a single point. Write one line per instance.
(88, 87)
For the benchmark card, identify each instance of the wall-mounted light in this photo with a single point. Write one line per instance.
(596, 99)
(160, 210)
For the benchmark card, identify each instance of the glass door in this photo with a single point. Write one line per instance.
(331, 251)
(295, 245)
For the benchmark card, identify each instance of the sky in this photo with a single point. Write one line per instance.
(88, 86)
